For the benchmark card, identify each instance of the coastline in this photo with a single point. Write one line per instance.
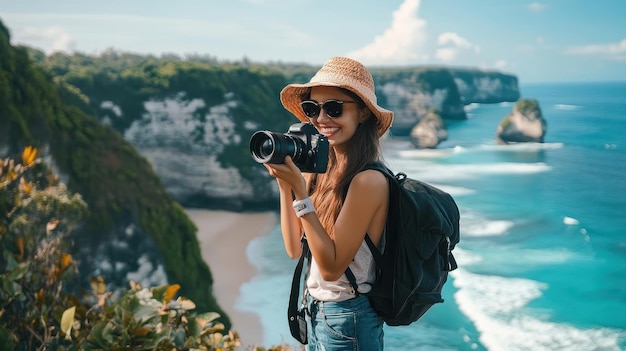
(224, 237)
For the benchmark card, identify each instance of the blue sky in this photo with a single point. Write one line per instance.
(541, 41)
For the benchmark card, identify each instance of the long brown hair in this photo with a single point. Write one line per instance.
(328, 190)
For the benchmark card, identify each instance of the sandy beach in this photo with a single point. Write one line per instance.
(223, 238)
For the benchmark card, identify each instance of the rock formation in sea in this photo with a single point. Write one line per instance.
(429, 132)
(524, 124)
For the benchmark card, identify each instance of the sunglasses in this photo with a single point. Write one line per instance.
(333, 108)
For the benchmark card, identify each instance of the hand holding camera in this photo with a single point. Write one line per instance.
(303, 143)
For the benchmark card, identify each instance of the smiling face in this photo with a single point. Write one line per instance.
(340, 129)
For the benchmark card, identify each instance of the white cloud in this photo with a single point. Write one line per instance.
(51, 38)
(537, 6)
(446, 54)
(406, 42)
(402, 43)
(501, 64)
(453, 46)
(614, 51)
(454, 39)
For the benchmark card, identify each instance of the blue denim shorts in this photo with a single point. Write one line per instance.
(346, 325)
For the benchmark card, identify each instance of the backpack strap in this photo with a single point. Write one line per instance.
(352, 280)
(378, 258)
(297, 274)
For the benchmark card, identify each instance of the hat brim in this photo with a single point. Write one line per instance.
(291, 97)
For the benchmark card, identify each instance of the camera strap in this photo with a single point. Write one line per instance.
(297, 323)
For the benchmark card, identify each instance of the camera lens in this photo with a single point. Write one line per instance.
(268, 147)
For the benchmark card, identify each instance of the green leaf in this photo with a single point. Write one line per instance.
(179, 337)
(7, 339)
(194, 327)
(158, 292)
(9, 287)
(96, 337)
(208, 317)
(143, 313)
(19, 271)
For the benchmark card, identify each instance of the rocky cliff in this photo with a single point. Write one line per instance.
(412, 92)
(192, 118)
(485, 87)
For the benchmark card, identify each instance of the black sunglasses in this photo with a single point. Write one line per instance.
(333, 108)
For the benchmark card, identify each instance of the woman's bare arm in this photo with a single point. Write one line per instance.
(290, 225)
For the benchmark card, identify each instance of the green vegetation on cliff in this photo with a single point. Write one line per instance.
(117, 183)
(129, 81)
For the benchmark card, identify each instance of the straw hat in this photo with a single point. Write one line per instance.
(344, 73)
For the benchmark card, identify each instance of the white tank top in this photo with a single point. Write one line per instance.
(340, 290)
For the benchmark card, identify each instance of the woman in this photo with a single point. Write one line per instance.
(337, 208)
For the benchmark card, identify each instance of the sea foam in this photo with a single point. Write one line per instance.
(520, 147)
(474, 224)
(430, 171)
(497, 306)
(566, 107)
(570, 221)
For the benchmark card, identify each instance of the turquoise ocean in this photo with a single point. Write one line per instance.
(542, 257)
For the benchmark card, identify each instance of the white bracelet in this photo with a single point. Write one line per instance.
(303, 206)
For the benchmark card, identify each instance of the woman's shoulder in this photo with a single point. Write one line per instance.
(369, 178)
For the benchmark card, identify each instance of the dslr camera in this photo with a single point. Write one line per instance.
(306, 146)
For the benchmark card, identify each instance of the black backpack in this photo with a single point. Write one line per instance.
(422, 230)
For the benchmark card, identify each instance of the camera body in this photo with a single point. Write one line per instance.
(306, 146)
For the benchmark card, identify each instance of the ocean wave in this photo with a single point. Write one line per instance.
(566, 107)
(522, 147)
(510, 260)
(497, 307)
(425, 153)
(487, 228)
(433, 172)
(474, 224)
(405, 150)
(570, 221)
(465, 257)
(471, 106)
(454, 190)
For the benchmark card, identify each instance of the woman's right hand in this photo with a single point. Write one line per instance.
(288, 175)
(289, 178)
